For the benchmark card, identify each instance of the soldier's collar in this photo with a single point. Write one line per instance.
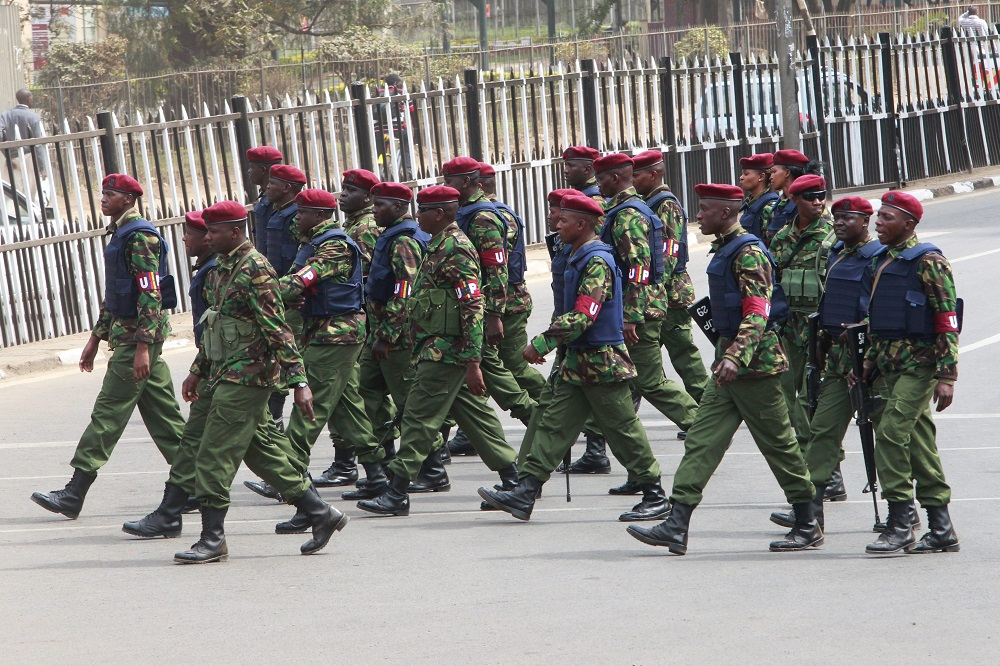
(361, 212)
(123, 219)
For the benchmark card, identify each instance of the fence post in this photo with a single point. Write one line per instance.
(667, 101)
(739, 97)
(473, 119)
(242, 125)
(589, 87)
(362, 128)
(890, 126)
(812, 45)
(109, 153)
(953, 83)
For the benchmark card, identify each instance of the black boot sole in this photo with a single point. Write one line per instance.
(598, 470)
(619, 493)
(429, 489)
(335, 483)
(290, 530)
(363, 493)
(953, 548)
(635, 517)
(252, 486)
(44, 503)
(376, 512)
(210, 560)
(338, 526)
(141, 535)
(902, 550)
(794, 549)
(675, 548)
(517, 513)
(835, 498)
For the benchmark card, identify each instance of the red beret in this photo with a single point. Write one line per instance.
(760, 161)
(581, 153)
(437, 195)
(119, 182)
(288, 173)
(320, 199)
(393, 191)
(224, 211)
(807, 183)
(852, 205)
(556, 196)
(647, 159)
(719, 191)
(486, 170)
(194, 220)
(579, 203)
(905, 202)
(363, 179)
(611, 161)
(266, 154)
(460, 166)
(790, 158)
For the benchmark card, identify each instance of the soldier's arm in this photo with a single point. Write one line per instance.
(462, 271)
(673, 227)
(367, 236)
(753, 273)
(486, 235)
(939, 286)
(333, 261)
(269, 314)
(631, 237)
(595, 287)
(102, 329)
(405, 261)
(144, 264)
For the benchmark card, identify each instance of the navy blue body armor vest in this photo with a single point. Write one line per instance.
(607, 328)
(592, 191)
(682, 256)
(655, 236)
(782, 217)
(560, 258)
(281, 247)
(121, 291)
(724, 289)
(899, 307)
(750, 218)
(332, 298)
(197, 293)
(518, 258)
(845, 300)
(381, 283)
(261, 212)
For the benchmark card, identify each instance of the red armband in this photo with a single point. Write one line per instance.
(466, 290)
(587, 306)
(493, 258)
(671, 248)
(638, 274)
(308, 275)
(401, 290)
(946, 322)
(756, 305)
(147, 281)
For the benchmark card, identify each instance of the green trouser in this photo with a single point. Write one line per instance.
(675, 336)
(120, 395)
(502, 386)
(827, 429)
(666, 396)
(544, 400)
(380, 379)
(232, 435)
(905, 438)
(511, 353)
(437, 389)
(560, 423)
(793, 388)
(758, 402)
(333, 379)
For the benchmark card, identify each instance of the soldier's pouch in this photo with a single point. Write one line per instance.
(444, 312)
(231, 415)
(211, 338)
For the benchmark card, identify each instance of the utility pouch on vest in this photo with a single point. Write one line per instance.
(168, 292)
(226, 336)
(802, 287)
(436, 311)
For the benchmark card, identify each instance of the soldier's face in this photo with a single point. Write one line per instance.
(571, 227)
(780, 177)
(224, 238)
(461, 183)
(277, 190)
(645, 181)
(489, 184)
(353, 198)
(711, 216)
(850, 227)
(257, 173)
(751, 179)
(307, 218)
(811, 205)
(577, 172)
(431, 220)
(552, 219)
(893, 226)
(194, 242)
(114, 203)
(386, 211)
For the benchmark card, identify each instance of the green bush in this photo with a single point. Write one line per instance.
(693, 44)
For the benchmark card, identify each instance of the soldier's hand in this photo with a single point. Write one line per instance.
(189, 389)
(631, 337)
(494, 330)
(852, 379)
(304, 401)
(943, 395)
(867, 372)
(725, 371)
(380, 350)
(295, 303)
(474, 379)
(89, 353)
(140, 366)
(532, 356)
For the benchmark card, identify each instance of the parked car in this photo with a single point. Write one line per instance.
(18, 217)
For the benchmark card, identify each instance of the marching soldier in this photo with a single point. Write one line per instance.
(578, 169)
(749, 360)
(246, 345)
(261, 159)
(787, 166)
(756, 185)
(594, 376)
(914, 320)
(801, 249)
(133, 319)
(446, 318)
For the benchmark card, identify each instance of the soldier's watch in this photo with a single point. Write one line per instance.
(302, 385)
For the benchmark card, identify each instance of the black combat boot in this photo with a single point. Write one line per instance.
(165, 521)
(393, 502)
(264, 489)
(879, 526)
(69, 500)
(343, 471)
(627, 488)
(806, 533)
(672, 532)
(508, 481)
(192, 505)
(459, 445)
(211, 547)
(433, 477)
(836, 492)
(445, 451)
(517, 502)
(898, 534)
(941, 538)
(654, 504)
(323, 518)
(376, 483)
(593, 461)
(787, 518)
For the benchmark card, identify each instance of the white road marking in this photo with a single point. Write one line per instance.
(974, 256)
(982, 343)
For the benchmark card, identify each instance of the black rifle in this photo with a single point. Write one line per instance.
(701, 313)
(814, 372)
(864, 404)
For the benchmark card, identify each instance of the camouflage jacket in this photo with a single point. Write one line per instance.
(935, 275)
(518, 298)
(630, 238)
(334, 260)
(813, 250)
(251, 295)
(767, 214)
(450, 262)
(602, 365)
(361, 227)
(755, 350)
(388, 322)
(488, 234)
(677, 286)
(152, 325)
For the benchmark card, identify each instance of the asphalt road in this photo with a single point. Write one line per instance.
(450, 584)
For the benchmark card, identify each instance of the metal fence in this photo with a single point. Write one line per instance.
(875, 111)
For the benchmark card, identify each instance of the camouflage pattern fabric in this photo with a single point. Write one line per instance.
(818, 238)
(388, 322)
(630, 239)
(518, 298)
(678, 286)
(487, 233)
(361, 227)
